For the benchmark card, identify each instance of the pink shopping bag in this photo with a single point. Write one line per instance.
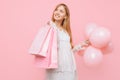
(39, 41)
(44, 48)
(50, 61)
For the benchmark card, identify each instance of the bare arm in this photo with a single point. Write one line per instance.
(81, 46)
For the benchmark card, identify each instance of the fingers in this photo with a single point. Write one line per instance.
(84, 44)
(87, 41)
(83, 48)
(48, 22)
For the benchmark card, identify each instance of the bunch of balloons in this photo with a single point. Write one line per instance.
(100, 42)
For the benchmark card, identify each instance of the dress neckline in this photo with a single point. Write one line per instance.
(62, 30)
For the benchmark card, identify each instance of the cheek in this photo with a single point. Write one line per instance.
(62, 15)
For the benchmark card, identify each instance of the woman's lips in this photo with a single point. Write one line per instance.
(57, 16)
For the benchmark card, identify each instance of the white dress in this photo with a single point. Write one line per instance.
(66, 63)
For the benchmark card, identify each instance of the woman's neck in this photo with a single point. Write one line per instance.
(58, 23)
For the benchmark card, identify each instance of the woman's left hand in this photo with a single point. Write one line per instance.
(86, 43)
(81, 46)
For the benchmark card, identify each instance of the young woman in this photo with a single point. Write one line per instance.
(66, 63)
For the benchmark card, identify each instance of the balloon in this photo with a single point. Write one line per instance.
(92, 56)
(108, 48)
(100, 37)
(89, 29)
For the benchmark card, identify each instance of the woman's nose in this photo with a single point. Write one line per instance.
(57, 12)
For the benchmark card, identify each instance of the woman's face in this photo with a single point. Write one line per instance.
(59, 13)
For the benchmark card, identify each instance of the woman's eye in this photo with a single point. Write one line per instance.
(56, 9)
(61, 11)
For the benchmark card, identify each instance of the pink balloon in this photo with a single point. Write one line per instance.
(89, 29)
(108, 48)
(100, 37)
(92, 56)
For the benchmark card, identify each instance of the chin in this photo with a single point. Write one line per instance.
(57, 19)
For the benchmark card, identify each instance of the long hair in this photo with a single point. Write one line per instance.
(66, 22)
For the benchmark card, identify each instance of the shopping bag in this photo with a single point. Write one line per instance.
(50, 61)
(39, 41)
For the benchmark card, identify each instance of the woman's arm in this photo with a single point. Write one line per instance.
(77, 48)
(81, 46)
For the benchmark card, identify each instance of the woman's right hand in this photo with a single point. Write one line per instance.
(48, 23)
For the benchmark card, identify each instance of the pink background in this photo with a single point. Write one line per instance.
(21, 19)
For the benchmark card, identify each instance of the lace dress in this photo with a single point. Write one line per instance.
(66, 63)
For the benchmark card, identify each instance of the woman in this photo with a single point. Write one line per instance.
(66, 63)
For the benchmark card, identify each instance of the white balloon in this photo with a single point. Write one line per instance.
(92, 56)
(89, 29)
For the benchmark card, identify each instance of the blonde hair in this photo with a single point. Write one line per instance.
(66, 21)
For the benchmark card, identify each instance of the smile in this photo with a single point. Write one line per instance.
(57, 16)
